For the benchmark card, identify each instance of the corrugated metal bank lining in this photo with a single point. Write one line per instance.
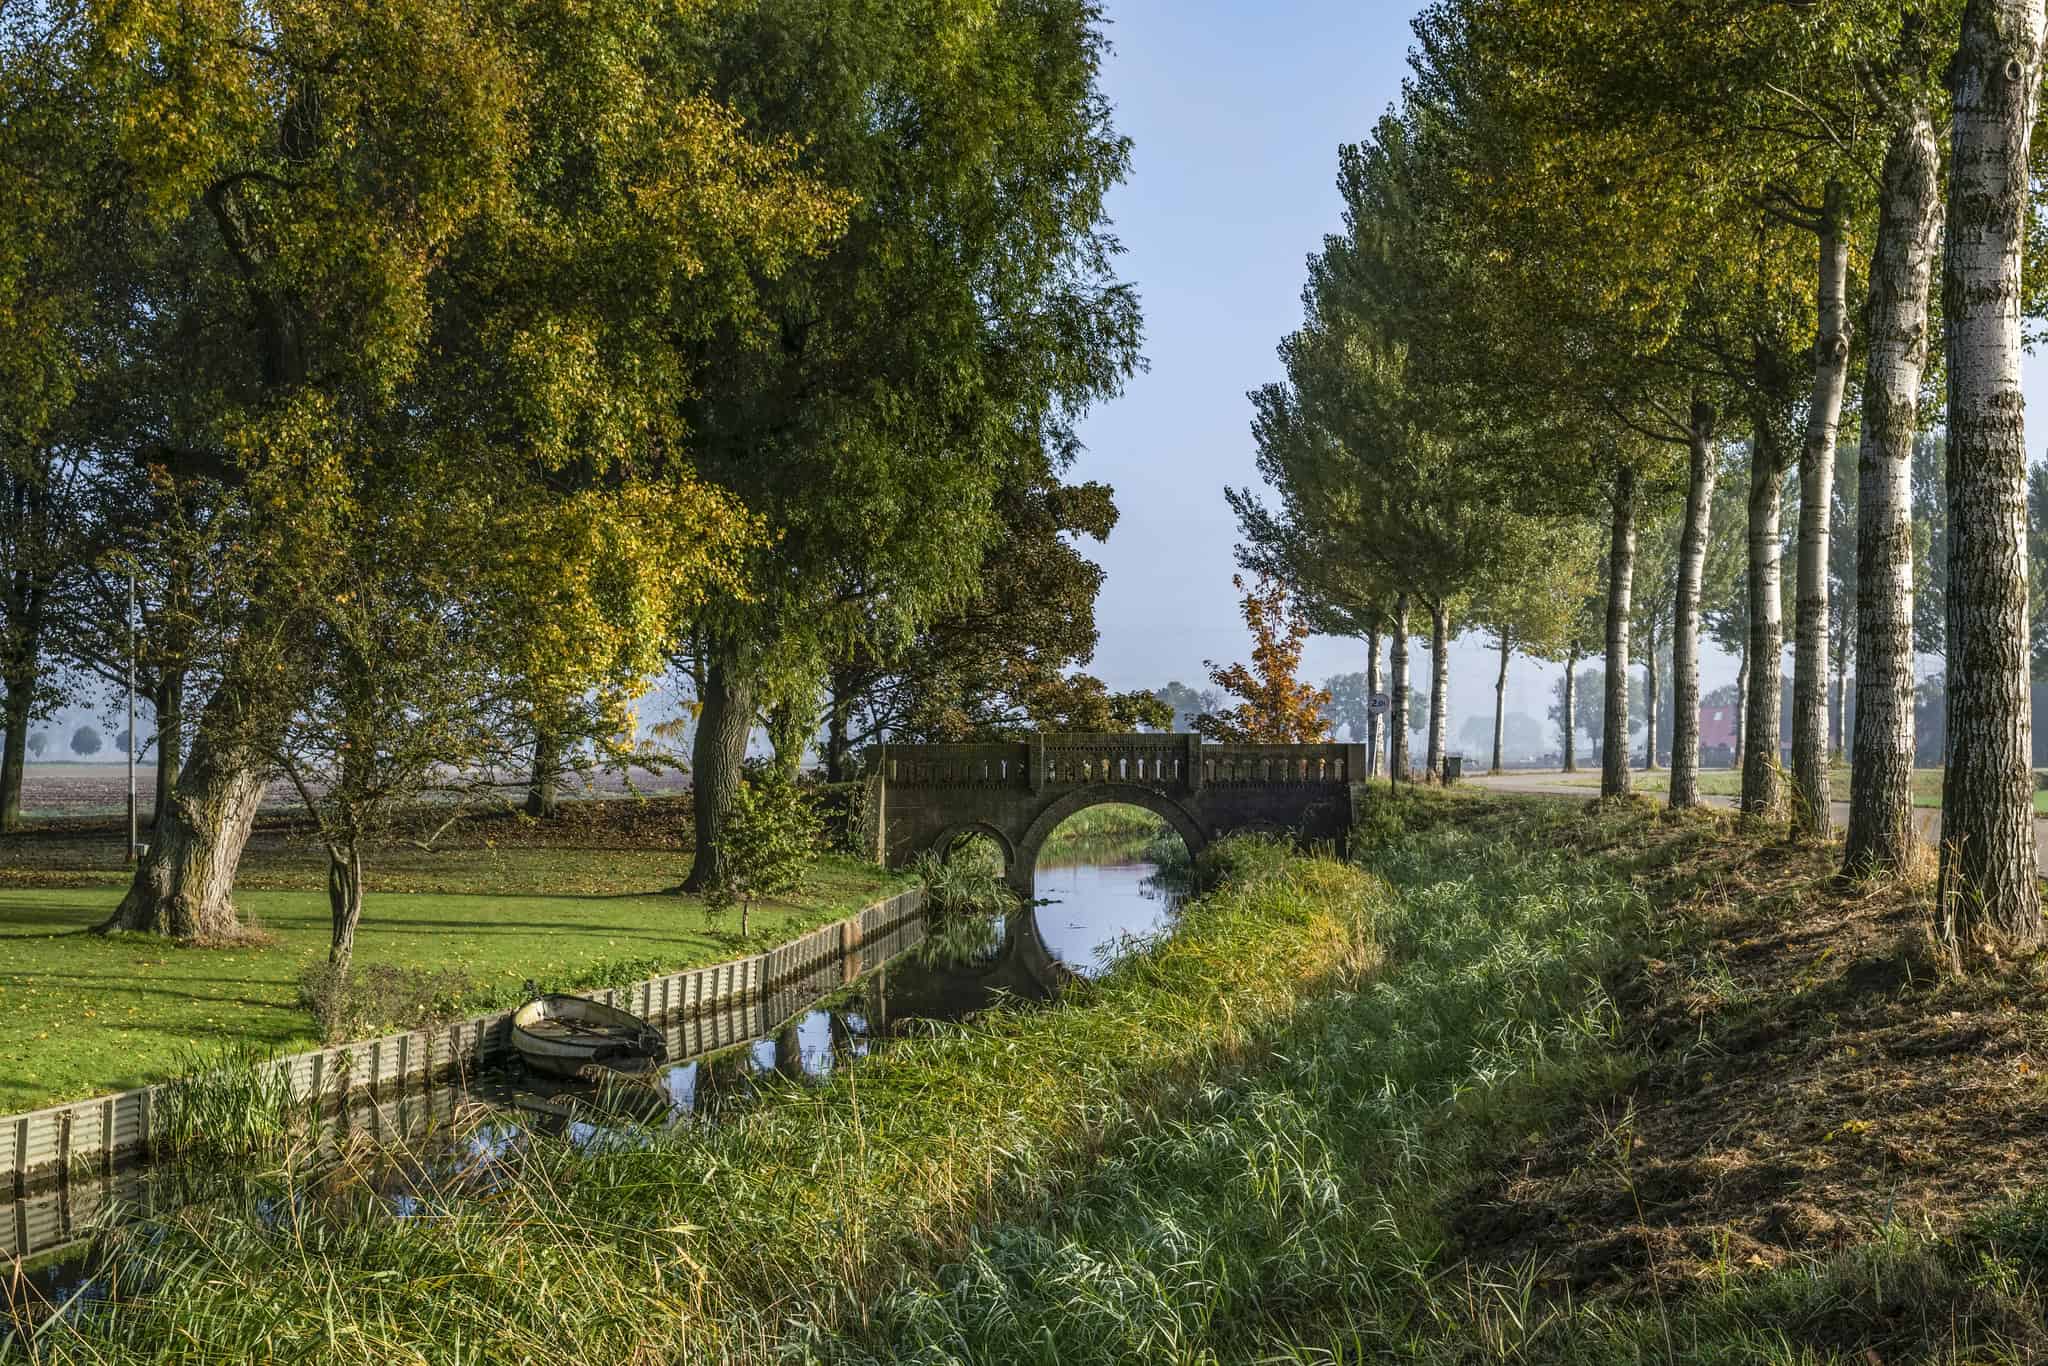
(94, 1132)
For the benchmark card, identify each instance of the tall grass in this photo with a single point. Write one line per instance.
(228, 1104)
(1309, 1189)
(805, 1209)
(1240, 1146)
(966, 880)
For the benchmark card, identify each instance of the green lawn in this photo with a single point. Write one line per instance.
(81, 1014)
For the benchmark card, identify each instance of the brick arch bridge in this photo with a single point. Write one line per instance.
(928, 796)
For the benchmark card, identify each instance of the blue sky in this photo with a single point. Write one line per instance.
(1236, 111)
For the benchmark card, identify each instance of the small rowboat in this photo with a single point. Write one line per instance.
(562, 1035)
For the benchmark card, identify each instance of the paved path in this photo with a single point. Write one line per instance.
(1926, 819)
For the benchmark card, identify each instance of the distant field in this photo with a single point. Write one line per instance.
(1726, 782)
(55, 791)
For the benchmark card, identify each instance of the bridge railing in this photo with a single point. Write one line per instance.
(1166, 762)
(996, 765)
(1277, 765)
(1148, 760)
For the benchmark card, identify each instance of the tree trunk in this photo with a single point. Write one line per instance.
(1987, 895)
(14, 751)
(1685, 617)
(1397, 712)
(836, 741)
(543, 802)
(1650, 682)
(184, 886)
(1621, 567)
(1836, 707)
(1760, 794)
(1372, 690)
(1741, 711)
(1500, 699)
(169, 701)
(716, 761)
(1439, 687)
(790, 724)
(344, 901)
(1816, 509)
(1571, 709)
(789, 1051)
(1880, 836)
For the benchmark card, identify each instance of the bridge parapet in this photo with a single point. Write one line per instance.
(1166, 762)
(1278, 765)
(916, 766)
(926, 796)
(1157, 761)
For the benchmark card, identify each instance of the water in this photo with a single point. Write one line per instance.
(455, 1139)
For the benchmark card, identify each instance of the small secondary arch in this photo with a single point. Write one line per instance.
(942, 843)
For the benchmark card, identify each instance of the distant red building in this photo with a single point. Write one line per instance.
(1717, 725)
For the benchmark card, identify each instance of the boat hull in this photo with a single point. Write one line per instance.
(562, 1036)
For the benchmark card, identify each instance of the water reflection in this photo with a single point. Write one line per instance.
(1093, 911)
(414, 1153)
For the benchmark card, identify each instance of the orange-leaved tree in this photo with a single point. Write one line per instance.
(1277, 708)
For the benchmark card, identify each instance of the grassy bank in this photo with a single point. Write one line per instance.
(816, 1202)
(82, 1014)
(1541, 1082)
(1628, 1088)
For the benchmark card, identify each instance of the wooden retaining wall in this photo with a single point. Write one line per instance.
(85, 1138)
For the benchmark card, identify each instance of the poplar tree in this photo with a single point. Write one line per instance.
(1988, 896)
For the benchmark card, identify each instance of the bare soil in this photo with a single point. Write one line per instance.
(1810, 1075)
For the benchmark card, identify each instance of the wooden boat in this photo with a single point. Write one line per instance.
(562, 1035)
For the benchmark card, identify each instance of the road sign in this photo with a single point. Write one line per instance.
(1379, 705)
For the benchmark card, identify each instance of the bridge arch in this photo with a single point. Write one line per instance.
(943, 842)
(1102, 794)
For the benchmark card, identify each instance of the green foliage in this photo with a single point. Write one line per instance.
(226, 1103)
(654, 1248)
(377, 998)
(772, 834)
(965, 881)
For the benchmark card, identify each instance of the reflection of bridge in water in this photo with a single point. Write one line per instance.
(928, 796)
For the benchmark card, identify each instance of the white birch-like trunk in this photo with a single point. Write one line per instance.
(1816, 488)
(1439, 687)
(1651, 690)
(1988, 895)
(1372, 690)
(1621, 563)
(1685, 617)
(1760, 786)
(1571, 705)
(1397, 710)
(1741, 708)
(1880, 836)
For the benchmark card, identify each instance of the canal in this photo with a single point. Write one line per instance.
(1100, 893)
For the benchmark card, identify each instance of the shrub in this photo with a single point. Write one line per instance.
(770, 841)
(377, 998)
(967, 880)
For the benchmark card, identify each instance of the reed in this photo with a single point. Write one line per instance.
(229, 1104)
